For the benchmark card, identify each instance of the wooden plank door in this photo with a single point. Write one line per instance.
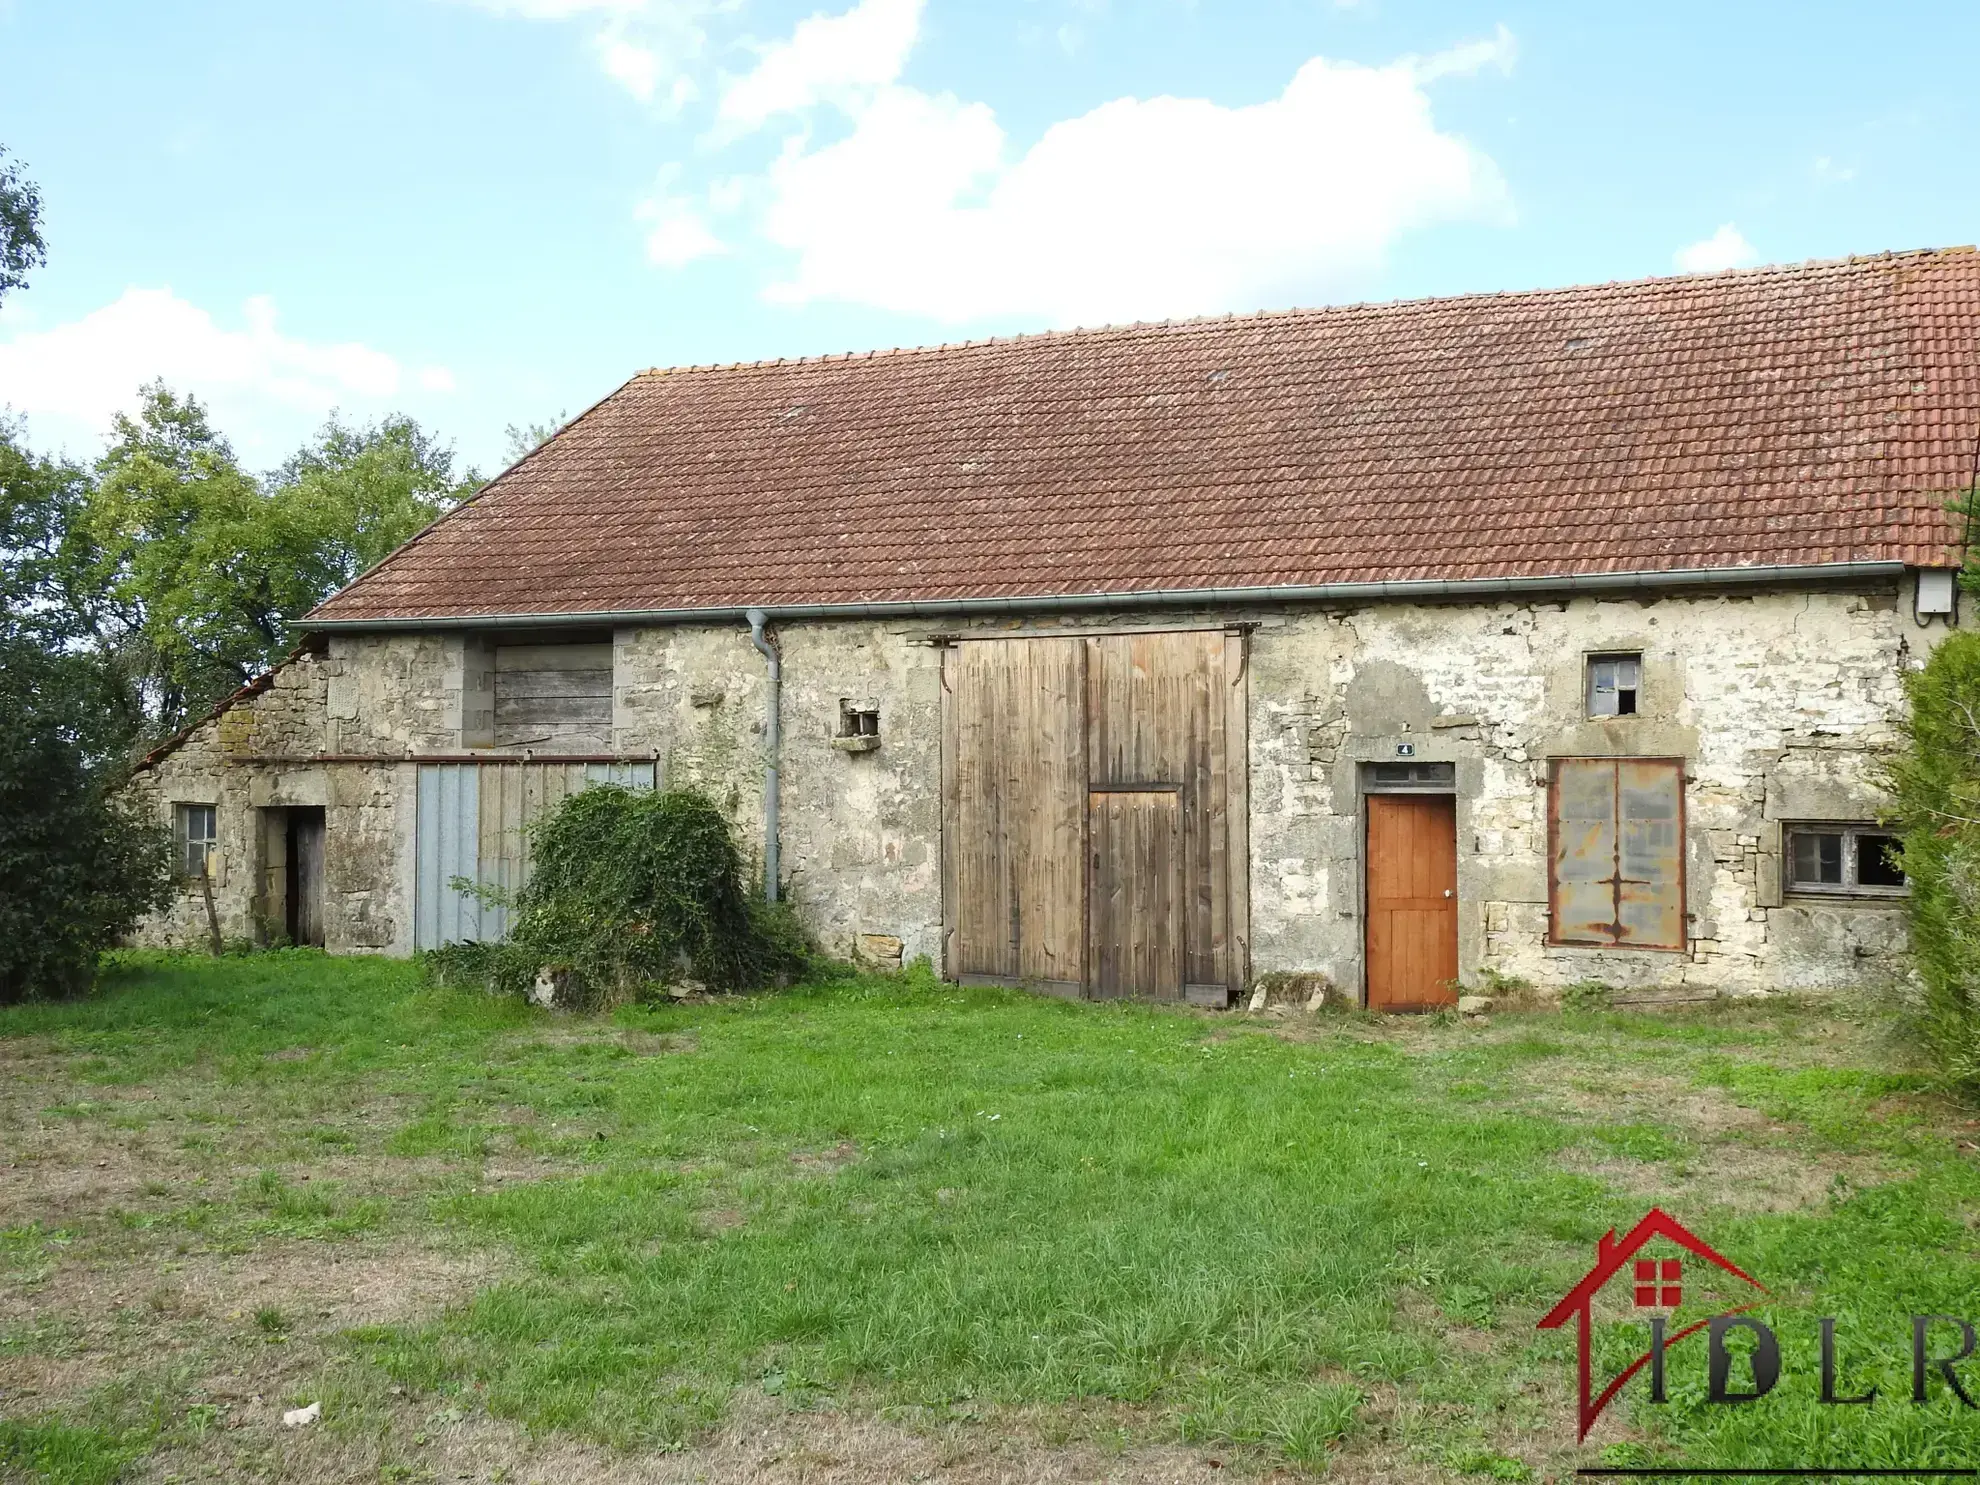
(1160, 760)
(1138, 915)
(1015, 836)
(1094, 814)
(1412, 901)
(305, 884)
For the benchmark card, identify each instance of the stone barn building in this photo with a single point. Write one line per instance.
(1555, 634)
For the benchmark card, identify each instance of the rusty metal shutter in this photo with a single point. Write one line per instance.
(1616, 828)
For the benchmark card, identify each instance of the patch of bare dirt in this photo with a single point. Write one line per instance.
(762, 1444)
(35, 1383)
(1736, 1157)
(825, 1162)
(1742, 1178)
(659, 1044)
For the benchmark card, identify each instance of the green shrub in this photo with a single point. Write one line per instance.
(1936, 780)
(79, 865)
(629, 891)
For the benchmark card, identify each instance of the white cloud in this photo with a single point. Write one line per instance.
(557, 10)
(80, 373)
(1140, 208)
(1725, 248)
(680, 234)
(647, 47)
(634, 67)
(835, 58)
(1467, 57)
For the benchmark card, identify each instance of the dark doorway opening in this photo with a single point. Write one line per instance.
(303, 899)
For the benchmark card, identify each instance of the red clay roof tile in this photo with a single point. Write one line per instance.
(1811, 414)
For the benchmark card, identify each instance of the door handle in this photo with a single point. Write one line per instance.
(1448, 892)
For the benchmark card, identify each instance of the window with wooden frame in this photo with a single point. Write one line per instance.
(1616, 853)
(198, 833)
(1838, 860)
(1614, 685)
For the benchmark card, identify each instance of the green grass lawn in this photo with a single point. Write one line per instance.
(1298, 1242)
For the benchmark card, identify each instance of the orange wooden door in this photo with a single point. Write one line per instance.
(1412, 901)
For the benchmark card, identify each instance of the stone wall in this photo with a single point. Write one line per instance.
(861, 836)
(267, 753)
(1781, 703)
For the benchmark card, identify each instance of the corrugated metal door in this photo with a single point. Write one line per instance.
(1617, 858)
(473, 820)
(449, 837)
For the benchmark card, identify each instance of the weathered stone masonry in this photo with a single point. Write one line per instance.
(1780, 702)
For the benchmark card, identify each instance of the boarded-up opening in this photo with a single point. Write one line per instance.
(1093, 837)
(554, 695)
(473, 820)
(1617, 852)
(1411, 911)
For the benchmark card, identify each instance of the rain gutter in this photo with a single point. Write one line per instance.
(773, 706)
(1407, 590)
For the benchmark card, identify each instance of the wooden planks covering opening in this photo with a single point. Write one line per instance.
(553, 694)
(1094, 813)
(1018, 803)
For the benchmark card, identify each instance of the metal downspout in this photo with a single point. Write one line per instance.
(772, 749)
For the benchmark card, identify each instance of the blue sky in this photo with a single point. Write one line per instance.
(487, 211)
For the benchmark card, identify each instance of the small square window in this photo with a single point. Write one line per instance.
(198, 834)
(1847, 860)
(858, 721)
(1613, 684)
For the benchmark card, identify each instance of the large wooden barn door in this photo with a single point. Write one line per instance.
(1094, 824)
(1016, 812)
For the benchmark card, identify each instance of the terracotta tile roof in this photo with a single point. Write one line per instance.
(1810, 414)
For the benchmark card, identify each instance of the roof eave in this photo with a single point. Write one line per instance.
(1405, 590)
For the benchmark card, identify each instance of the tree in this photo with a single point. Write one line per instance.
(1936, 780)
(190, 571)
(170, 542)
(21, 247)
(355, 494)
(526, 438)
(78, 866)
